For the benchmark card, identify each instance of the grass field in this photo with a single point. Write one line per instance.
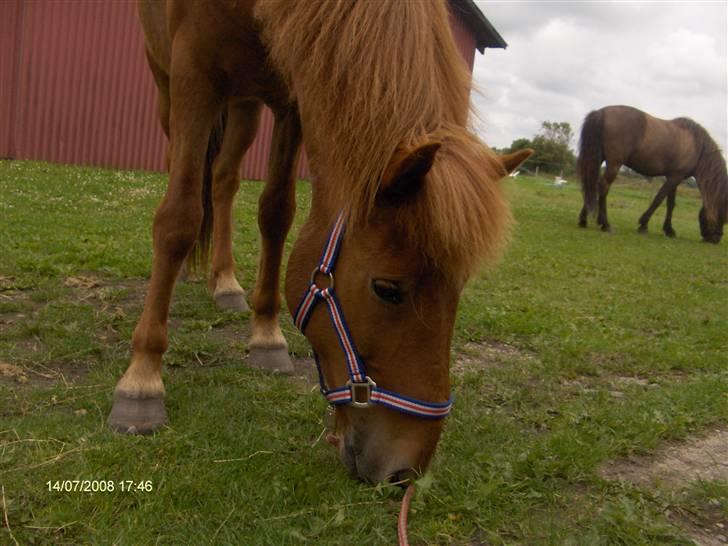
(583, 352)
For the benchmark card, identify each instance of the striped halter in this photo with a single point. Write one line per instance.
(360, 391)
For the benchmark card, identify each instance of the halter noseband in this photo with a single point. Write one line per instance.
(360, 391)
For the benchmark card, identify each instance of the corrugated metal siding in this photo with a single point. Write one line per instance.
(10, 15)
(84, 94)
(75, 87)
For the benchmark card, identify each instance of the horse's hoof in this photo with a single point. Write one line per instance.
(642, 229)
(582, 224)
(607, 229)
(232, 301)
(670, 233)
(271, 359)
(136, 415)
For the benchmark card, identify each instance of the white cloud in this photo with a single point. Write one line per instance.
(565, 59)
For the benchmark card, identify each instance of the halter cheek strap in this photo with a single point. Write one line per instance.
(360, 391)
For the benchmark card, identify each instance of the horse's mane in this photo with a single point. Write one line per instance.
(370, 77)
(711, 171)
(460, 218)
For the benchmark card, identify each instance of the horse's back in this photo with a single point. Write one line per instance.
(671, 146)
(623, 128)
(650, 145)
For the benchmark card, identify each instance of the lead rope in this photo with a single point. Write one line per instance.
(402, 522)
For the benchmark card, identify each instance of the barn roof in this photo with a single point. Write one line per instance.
(485, 34)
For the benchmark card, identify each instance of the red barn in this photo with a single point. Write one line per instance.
(75, 88)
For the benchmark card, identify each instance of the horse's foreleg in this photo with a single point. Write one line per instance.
(656, 202)
(268, 347)
(139, 395)
(242, 124)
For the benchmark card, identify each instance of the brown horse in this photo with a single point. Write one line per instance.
(380, 95)
(676, 149)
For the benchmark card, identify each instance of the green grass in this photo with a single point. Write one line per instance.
(617, 345)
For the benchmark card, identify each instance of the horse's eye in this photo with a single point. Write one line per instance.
(388, 291)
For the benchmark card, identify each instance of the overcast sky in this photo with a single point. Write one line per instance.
(565, 59)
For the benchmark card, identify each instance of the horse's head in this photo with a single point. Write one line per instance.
(711, 230)
(712, 177)
(397, 278)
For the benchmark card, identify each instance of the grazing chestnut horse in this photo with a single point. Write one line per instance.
(405, 204)
(676, 149)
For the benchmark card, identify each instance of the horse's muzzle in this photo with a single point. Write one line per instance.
(355, 460)
(713, 238)
(373, 461)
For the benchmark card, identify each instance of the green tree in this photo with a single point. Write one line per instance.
(551, 149)
(558, 131)
(520, 144)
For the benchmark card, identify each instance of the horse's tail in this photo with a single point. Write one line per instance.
(591, 155)
(199, 255)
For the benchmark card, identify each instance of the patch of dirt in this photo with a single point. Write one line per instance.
(117, 296)
(487, 354)
(627, 381)
(674, 467)
(616, 384)
(13, 293)
(41, 375)
(709, 528)
(304, 370)
(10, 283)
(232, 333)
(12, 373)
(7, 319)
(605, 360)
(119, 299)
(703, 458)
(82, 282)
(578, 386)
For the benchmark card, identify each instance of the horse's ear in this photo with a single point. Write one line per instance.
(406, 172)
(512, 161)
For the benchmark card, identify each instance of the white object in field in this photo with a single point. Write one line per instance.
(558, 181)
(514, 174)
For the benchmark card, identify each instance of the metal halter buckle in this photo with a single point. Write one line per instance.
(361, 391)
(317, 271)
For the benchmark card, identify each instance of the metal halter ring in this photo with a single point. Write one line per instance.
(365, 387)
(317, 271)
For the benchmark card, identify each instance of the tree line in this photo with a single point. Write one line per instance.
(552, 149)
